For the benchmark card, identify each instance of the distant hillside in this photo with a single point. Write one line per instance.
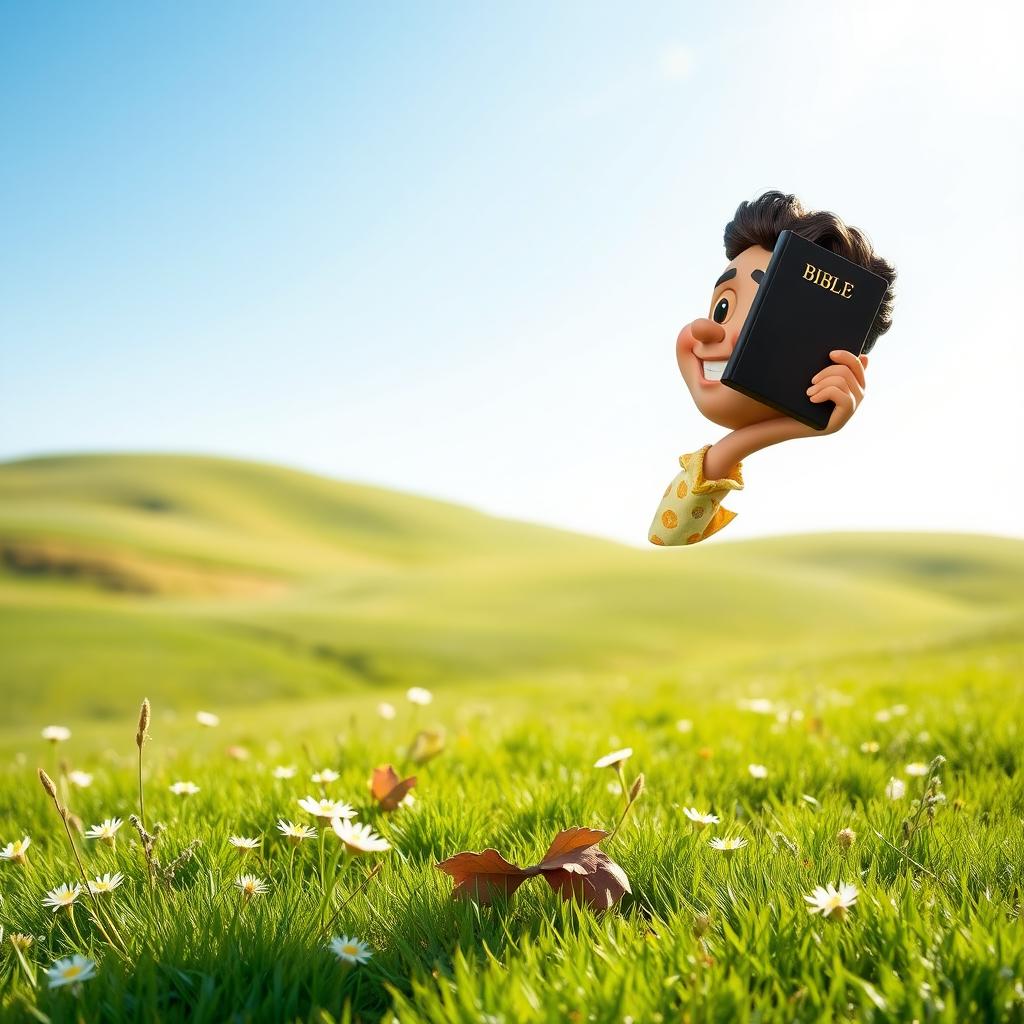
(239, 581)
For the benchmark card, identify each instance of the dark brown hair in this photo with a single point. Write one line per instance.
(761, 221)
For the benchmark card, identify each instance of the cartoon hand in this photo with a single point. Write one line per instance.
(841, 382)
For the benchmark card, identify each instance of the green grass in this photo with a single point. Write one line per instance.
(292, 606)
(941, 942)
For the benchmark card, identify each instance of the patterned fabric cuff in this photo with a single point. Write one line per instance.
(693, 463)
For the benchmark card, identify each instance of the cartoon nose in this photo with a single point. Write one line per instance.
(707, 331)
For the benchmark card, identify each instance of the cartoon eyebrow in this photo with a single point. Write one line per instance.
(757, 275)
(727, 276)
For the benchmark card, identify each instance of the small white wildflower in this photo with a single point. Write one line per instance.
(359, 838)
(285, 771)
(16, 850)
(56, 733)
(386, 711)
(105, 883)
(870, 747)
(615, 758)
(326, 808)
(352, 951)
(72, 970)
(728, 846)
(105, 831)
(832, 902)
(296, 833)
(208, 719)
(251, 885)
(83, 780)
(757, 771)
(684, 725)
(916, 769)
(184, 788)
(62, 897)
(418, 695)
(896, 789)
(700, 819)
(324, 776)
(243, 844)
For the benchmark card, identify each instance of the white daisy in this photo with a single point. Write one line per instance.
(757, 771)
(699, 819)
(62, 897)
(105, 831)
(417, 695)
(208, 719)
(684, 725)
(80, 779)
(325, 775)
(184, 788)
(616, 757)
(326, 808)
(71, 970)
(251, 885)
(896, 789)
(16, 850)
(56, 733)
(359, 838)
(351, 951)
(296, 833)
(106, 883)
(728, 846)
(870, 747)
(917, 769)
(386, 711)
(832, 902)
(285, 771)
(243, 844)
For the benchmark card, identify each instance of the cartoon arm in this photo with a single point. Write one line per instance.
(691, 509)
(842, 382)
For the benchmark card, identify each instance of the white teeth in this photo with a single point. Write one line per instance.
(713, 368)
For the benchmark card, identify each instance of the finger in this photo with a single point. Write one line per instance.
(841, 355)
(864, 361)
(843, 399)
(842, 372)
(845, 360)
(843, 383)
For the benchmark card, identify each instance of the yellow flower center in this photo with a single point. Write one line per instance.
(350, 950)
(72, 972)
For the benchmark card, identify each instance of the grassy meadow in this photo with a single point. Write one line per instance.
(792, 688)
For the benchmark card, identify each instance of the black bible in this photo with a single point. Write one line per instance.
(809, 302)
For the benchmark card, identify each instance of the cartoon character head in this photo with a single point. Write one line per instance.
(704, 346)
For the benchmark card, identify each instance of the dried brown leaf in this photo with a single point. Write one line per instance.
(576, 869)
(481, 876)
(388, 788)
(573, 867)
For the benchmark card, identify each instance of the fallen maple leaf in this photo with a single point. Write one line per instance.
(576, 869)
(388, 789)
(573, 867)
(481, 875)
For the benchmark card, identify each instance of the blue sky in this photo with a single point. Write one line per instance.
(447, 247)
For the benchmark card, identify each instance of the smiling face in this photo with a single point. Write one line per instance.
(703, 347)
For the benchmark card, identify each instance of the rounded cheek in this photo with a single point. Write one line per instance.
(684, 351)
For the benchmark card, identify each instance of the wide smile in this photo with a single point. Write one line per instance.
(712, 369)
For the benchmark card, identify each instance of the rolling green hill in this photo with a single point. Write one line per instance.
(219, 581)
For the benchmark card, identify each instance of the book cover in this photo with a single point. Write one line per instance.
(810, 301)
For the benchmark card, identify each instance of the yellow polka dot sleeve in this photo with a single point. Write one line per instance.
(690, 509)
